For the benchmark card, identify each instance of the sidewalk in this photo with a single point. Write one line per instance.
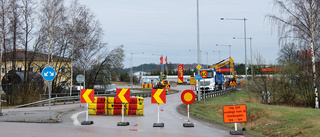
(38, 114)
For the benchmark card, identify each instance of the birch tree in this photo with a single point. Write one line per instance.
(299, 20)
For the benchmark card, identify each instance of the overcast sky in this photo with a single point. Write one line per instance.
(169, 28)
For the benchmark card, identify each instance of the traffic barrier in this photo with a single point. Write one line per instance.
(134, 112)
(100, 99)
(114, 106)
(136, 100)
(147, 85)
(97, 106)
(111, 100)
(114, 111)
(134, 106)
(97, 111)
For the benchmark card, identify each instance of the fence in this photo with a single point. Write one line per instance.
(215, 93)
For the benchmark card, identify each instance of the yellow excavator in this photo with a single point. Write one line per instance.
(228, 61)
(162, 82)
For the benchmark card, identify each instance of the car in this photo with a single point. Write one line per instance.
(111, 89)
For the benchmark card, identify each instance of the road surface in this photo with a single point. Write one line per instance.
(140, 126)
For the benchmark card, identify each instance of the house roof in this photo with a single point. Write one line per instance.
(20, 56)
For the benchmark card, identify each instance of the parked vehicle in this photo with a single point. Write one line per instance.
(111, 89)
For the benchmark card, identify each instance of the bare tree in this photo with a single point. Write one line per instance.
(300, 21)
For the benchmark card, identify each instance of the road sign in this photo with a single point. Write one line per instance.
(235, 114)
(199, 67)
(48, 73)
(232, 83)
(123, 96)
(188, 97)
(243, 82)
(87, 96)
(80, 78)
(204, 73)
(198, 77)
(158, 96)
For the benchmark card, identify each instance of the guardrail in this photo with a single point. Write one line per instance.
(215, 93)
(58, 98)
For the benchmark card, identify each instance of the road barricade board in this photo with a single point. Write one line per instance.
(108, 106)
(235, 114)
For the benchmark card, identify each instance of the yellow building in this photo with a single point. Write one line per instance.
(38, 62)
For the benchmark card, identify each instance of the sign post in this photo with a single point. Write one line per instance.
(123, 96)
(87, 96)
(204, 74)
(48, 73)
(188, 97)
(158, 96)
(235, 114)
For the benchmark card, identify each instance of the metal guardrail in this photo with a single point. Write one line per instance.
(73, 99)
(215, 93)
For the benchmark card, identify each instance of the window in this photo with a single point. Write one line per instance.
(63, 69)
(3, 70)
(19, 68)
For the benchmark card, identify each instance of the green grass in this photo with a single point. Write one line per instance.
(263, 119)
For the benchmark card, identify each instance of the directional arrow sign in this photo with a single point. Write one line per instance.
(158, 96)
(87, 96)
(123, 96)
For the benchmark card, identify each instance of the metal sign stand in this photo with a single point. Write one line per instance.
(188, 124)
(158, 124)
(122, 123)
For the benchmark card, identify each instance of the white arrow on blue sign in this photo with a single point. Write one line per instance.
(198, 77)
(48, 73)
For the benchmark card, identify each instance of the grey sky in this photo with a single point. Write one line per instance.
(168, 28)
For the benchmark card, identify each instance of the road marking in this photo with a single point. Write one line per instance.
(74, 118)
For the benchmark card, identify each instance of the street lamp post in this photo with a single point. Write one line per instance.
(131, 76)
(250, 54)
(229, 54)
(245, 45)
(219, 54)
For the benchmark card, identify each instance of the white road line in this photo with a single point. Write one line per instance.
(74, 118)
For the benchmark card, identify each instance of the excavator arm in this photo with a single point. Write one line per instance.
(224, 63)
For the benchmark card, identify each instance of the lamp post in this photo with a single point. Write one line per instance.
(245, 45)
(131, 76)
(229, 54)
(198, 49)
(219, 54)
(250, 54)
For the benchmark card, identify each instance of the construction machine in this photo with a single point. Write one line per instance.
(162, 82)
(228, 61)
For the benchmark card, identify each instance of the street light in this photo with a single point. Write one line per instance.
(131, 76)
(219, 54)
(229, 48)
(250, 54)
(229, 54)
(245, 45)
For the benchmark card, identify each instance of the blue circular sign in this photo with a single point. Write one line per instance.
(48, 73)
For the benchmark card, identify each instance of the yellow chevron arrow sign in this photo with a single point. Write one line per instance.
(158, 96)
(123, 96)
(87, 95)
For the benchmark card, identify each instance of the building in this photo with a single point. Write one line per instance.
(37, 62)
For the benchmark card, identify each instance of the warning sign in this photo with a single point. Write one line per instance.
(232, 83)
(235, 114)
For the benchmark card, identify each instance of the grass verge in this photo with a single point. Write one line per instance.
(263, 119)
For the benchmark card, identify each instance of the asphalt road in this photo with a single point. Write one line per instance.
(140, 126)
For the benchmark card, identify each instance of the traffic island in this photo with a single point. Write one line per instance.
(158, 124)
